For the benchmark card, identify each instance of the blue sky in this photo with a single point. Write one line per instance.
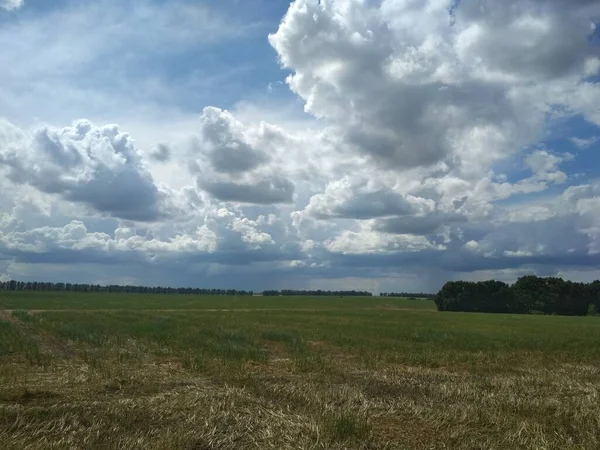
(227, 62)
(370, 145)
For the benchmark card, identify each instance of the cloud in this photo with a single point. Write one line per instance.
(418, 224)
(162, 153)
(11, 5)
(359, 198)
(367, 241)
(238, 163)
(223, 236)
(401, 84)
(544, 165)
(533, 46)
(74, 243)
(584, 143)
(227, 148)
(264, 192)
(97, 166)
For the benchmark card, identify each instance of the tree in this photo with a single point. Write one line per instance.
(528, 295)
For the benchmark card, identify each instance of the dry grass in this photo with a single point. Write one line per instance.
(318, 376)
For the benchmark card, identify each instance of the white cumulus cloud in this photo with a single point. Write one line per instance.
(11, 5)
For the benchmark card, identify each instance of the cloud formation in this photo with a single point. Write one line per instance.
(97, 166)
(11, 5)
(437, 142)
(235, 163)
(411, 86)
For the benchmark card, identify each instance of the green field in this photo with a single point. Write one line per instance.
(127, 371)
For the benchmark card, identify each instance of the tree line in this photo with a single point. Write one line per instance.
(13, 285)
(528, 295)
(318, 292)
(407, 295)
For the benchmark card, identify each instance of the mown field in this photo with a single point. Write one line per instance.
(127, 371)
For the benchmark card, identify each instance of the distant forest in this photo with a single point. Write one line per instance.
(528, 295)
(13, 285)
(74, 287)
(407, 295)
(319, 292)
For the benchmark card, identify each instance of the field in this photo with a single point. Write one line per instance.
(126, 371)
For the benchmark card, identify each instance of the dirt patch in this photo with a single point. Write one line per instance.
(7, 316)
(412, 432)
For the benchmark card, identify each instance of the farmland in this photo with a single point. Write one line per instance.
(128, 371)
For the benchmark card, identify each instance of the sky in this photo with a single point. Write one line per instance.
(385, 145)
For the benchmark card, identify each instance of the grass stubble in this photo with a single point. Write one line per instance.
(291, 373)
